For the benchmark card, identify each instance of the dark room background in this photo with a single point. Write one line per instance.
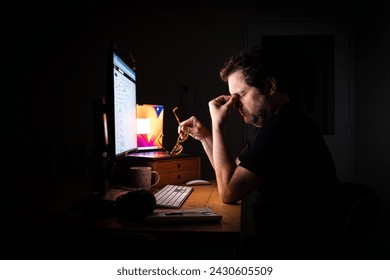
(54, 67)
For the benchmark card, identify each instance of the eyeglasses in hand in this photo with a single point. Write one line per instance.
(178, 148)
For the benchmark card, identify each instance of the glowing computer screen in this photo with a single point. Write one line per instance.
(122, 110)
(150, 120)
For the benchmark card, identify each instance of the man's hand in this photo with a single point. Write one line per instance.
(220, 108)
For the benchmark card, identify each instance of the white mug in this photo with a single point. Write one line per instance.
(141, 177)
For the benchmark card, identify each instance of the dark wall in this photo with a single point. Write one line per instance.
(65, 55)
(371, 113)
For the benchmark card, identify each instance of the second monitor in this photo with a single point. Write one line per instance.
(150, 122)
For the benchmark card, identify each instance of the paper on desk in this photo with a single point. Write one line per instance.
(187, 215)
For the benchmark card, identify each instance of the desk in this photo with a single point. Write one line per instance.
(47, 225)
(202, 240)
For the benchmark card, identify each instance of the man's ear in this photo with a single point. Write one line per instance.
(271, 85)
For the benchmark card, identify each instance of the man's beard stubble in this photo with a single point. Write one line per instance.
(262, 117)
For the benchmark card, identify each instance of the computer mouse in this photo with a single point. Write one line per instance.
(198, 182)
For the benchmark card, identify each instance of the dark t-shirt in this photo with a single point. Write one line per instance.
(291, 156)
(297, 203)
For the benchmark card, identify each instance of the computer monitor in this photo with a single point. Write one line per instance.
(150, 121)
(121, 107)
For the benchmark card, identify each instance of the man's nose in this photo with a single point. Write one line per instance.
(237, 104)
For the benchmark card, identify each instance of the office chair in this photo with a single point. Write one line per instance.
(361, 204)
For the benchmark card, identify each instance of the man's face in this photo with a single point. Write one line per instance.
(251, 104)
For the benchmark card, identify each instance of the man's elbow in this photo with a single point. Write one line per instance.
(228, 199)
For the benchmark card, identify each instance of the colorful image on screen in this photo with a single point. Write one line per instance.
(150, 119)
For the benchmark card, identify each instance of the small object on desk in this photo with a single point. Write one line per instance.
(198, 182)
(180, 216)
(188, 212)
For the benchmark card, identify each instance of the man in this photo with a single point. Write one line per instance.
(286, 168)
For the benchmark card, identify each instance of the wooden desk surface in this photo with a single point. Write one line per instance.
(202, 196)
(81, 236)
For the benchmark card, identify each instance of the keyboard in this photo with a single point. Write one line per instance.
(172, 196)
